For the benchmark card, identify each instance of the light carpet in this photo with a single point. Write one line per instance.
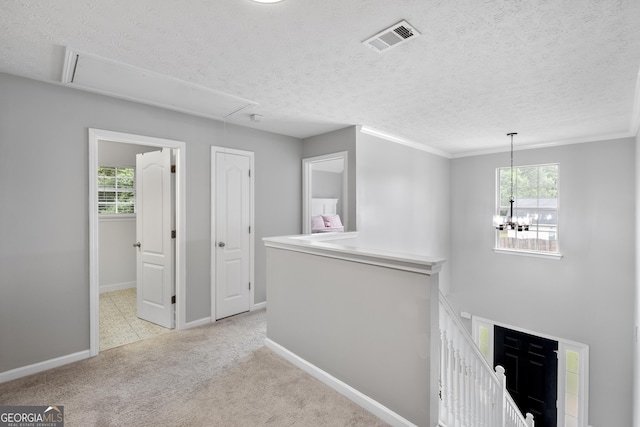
(215, 375)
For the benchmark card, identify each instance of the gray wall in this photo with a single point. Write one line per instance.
(333, 142)
(403, 200)
(369, 326)
(588, 296)
(44, 244)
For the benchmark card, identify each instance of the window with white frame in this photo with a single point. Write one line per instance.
(535, 194)
(116, 190)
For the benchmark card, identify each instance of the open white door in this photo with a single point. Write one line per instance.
(232, 233)
(154, 224)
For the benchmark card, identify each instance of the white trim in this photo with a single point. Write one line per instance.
(403, 141)
(556, 257)
(23, 371)
(196, 323)
(563, 346)
(307, 186)
(346, 390)
(548, 144)
(96, 135)
(116, 217)
(331, 245)
(117, 287)
(259, 306)
(252, 240)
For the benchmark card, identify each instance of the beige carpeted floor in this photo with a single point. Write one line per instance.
(218, 375)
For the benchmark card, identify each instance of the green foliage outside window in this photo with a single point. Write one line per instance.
(116, 190)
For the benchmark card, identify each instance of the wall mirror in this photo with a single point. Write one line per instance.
(325, 193)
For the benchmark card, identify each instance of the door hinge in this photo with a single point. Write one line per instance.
(173, 299)
(249, 285)
(249, 173)
(249, 229)
(173, 168)
(173, 234)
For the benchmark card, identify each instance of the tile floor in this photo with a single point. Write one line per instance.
(119, 324)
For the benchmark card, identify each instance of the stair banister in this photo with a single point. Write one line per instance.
(472, 394)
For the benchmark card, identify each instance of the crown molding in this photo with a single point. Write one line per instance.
(547, 144)
(403, 141)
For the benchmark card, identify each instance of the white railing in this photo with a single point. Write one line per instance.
(471, 393)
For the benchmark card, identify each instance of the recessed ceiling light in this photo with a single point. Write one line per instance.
(267, 1)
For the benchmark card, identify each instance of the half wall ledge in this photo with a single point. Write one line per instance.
(366, 319)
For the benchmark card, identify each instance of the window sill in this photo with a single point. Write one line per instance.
(556, 257)
(116, 217)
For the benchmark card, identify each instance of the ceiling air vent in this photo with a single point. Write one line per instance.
(391, 37)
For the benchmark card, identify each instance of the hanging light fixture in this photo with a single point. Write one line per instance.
(510, 222)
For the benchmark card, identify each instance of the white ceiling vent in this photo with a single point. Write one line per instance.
(101, 75)
(392, 37)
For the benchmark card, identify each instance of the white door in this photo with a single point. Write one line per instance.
(232, 234)
(155, 246)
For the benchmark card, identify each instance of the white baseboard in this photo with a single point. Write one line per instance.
(346, 390)
(117, 287)
(259, 306)
(196, 323)
(23, 371)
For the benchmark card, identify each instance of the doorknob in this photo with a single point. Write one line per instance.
(221, 244)
(137, 245)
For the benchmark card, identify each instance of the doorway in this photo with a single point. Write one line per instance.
(572, 376)
(326, 178)
(153, 144)
(531, 368)
(232, 232)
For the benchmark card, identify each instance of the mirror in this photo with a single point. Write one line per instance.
(325, 193)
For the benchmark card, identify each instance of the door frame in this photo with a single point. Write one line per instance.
(96, 135)
(564, 345)
(214, 150)
(307, 187)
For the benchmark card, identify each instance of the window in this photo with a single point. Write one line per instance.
(116, 190)
(535, 193)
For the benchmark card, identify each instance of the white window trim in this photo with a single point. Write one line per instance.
(116, 217)
(564, 345)
(103, 216)
(548, 255)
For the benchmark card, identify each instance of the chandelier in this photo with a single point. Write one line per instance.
(510, 222)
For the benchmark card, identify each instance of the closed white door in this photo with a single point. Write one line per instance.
(232, 234)
(155, 245)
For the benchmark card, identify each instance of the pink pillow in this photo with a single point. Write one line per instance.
(332, 221)
(317, 222)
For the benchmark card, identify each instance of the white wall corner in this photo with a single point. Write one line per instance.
(635, 114)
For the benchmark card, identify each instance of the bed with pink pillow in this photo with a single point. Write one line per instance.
(324, 218)
(326, 223)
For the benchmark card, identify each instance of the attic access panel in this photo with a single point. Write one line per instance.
(101, 75)
(391, 37)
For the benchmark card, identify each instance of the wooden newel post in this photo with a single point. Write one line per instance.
(529, 420)
(500, 404)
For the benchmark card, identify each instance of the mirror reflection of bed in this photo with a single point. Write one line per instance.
(324, 216)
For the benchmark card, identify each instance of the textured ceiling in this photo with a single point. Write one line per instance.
(556, 70)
